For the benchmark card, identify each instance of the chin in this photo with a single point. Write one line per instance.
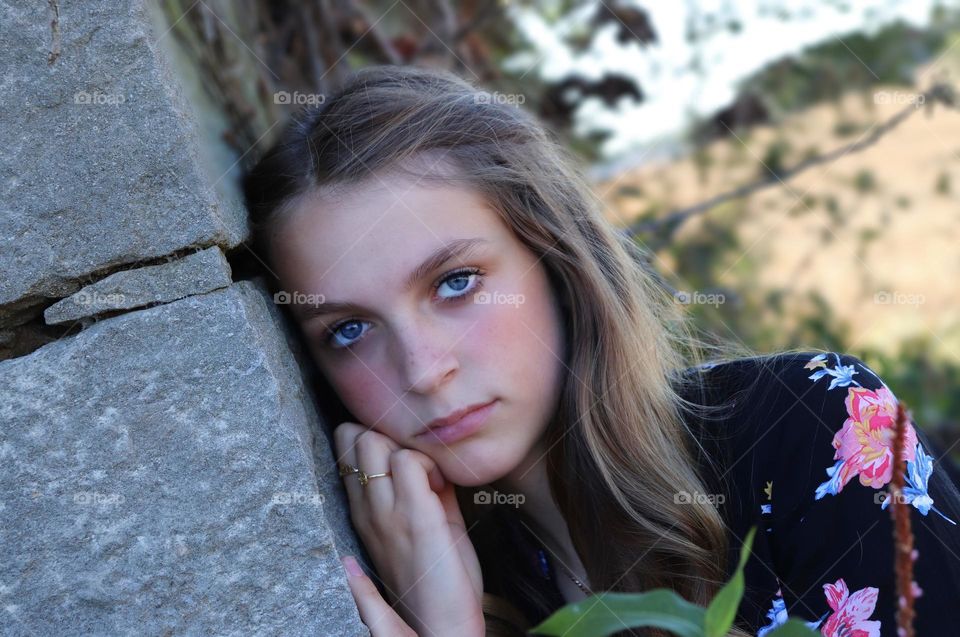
(469, 480)
(466, 469)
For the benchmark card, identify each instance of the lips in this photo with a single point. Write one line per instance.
(461, 424)
(455, 416)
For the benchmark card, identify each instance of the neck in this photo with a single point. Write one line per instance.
(529, 479)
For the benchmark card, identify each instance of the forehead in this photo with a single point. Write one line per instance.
(381, 228)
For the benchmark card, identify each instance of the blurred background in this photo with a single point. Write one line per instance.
(792, 167)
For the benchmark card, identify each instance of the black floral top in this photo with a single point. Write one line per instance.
(806, 454)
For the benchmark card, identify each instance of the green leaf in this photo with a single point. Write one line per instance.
(794, 628)
(723, 608)
(607, 613)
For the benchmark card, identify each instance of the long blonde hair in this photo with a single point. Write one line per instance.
(620, 447)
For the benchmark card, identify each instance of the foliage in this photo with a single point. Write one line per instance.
(608, 613)
(857, 61)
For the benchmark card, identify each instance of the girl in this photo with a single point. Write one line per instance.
(528, 417)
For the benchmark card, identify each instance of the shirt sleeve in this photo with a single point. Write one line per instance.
(825, 446)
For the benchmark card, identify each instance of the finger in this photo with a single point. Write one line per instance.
(375, 612)
(418, 482)
(344, 437)
(373, 457)
(435, 477)
(345, 440)
(411, 469)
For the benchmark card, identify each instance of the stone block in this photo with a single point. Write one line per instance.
(202, 271)
(103, 165)
(158, 477)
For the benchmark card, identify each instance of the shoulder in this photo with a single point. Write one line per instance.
(771, 376)
(789, 397)
(814, 426)
(817, 420)
(808, 459)
(759, 408)
(827, 413)
(783, 380)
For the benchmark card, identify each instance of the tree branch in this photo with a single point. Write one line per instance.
(670, 222)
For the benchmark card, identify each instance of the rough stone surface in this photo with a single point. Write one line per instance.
(337, 509)
(158, 479)
(101, 167)
(202, 271)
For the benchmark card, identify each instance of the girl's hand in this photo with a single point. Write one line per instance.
(375, 612)
(411, 524)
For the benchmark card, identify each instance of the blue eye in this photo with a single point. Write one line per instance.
(462, 275)
(345, 334)
(334, 334)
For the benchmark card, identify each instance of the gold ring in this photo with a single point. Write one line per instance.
(346, 469)
(366, 478)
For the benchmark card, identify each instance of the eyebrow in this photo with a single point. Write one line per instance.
(456, 248)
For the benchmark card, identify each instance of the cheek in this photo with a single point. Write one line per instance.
(498, 336)
(521, 344)
(364, 395)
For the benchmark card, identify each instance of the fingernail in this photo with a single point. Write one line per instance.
(351, 566)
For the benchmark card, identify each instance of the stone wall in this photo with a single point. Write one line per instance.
(165, 470)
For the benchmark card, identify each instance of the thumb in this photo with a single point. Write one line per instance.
(375, 612)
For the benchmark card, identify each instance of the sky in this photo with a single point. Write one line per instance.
(674, 93)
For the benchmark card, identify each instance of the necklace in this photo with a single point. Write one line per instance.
(567, 572)
(575, 580)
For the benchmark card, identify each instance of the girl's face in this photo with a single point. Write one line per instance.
(399, 355)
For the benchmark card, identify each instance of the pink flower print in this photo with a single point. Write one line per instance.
(865, 442)
(850, 612)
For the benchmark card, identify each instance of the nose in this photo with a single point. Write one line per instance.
(428, 358)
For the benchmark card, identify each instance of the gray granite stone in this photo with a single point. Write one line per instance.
(158, 478)
(103, 165)
(199, 272)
